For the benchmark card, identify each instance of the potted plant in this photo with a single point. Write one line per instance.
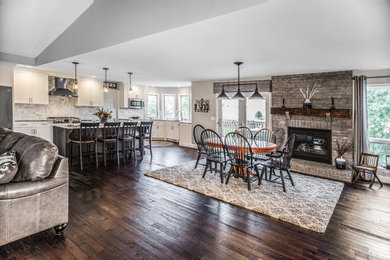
(103, 115)
(341, 150)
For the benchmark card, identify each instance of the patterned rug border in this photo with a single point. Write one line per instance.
(160, 178)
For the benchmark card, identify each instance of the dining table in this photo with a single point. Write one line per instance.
(257, 147)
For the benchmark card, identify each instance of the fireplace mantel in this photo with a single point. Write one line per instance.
(333, 113)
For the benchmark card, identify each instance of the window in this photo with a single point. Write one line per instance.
(152, 110)
(378, 108)
(255, 113)
(185, 107)
(169, 107)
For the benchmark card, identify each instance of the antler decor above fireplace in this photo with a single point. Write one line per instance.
(334, 113)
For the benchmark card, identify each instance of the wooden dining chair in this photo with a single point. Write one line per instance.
(368, 164)
(246, 132)
(280, 161)
(263, 135)
(110, 140)
(215, 153)
(240, 157)
(85, 136)
(127, 138)
(196, 132)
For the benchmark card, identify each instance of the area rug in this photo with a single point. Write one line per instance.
(309, 204)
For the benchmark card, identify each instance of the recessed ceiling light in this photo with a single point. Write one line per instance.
(93, 76)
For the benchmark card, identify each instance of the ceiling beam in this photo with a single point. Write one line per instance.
(107, 23)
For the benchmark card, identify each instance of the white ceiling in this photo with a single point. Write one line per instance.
(274, 38)
(28, 26)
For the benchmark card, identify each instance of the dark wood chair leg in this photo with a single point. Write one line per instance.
(262, 174)
(197, 160)
(229, 174)
(205, 169)
(124, 151)
(150, 146)
(257, 173)
(96, 155)
(81, 156)
(70, 154)
(117, 152)
(290, 177)
(282, 178)
(104, 154)
(221, 173)
(248, 179)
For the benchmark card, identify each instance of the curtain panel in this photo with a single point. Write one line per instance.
(360, 117)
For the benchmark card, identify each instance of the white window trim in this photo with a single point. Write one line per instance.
(163, 105)
(189, 105)
(158, 104)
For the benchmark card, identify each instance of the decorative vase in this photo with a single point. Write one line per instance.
(340, 163)
(103, 120)
(307, 103)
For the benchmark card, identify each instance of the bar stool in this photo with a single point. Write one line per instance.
(110, 138)
(85, 136)
(145, 133)
(129, 130)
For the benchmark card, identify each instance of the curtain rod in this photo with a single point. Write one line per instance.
(376, 77)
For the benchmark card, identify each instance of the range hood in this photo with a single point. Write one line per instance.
(61, 88)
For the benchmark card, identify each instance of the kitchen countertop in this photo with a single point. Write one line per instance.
(34, 120)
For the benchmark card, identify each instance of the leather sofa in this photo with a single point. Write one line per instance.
(37, 197)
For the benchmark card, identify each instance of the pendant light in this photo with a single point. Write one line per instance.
(75, 75)
(223, 94)
(238, 95)
(105, 83)
(256, 95)
(130, 88)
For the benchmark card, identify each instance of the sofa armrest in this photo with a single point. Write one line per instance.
(60, 168)
(16, 190)
(59, 176)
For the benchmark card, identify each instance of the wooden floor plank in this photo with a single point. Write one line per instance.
(118, 213)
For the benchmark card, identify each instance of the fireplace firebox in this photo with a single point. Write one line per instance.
(312, 144)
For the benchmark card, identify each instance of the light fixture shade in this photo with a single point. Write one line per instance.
(238, 95)
(256, 95)
(223, 94)
(75, 75)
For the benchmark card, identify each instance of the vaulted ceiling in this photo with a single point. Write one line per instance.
(174, 42)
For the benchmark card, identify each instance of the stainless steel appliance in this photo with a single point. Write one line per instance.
(61, 87)
(136, 103)
(6, 107)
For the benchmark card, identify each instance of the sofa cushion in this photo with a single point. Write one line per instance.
(8, 167)
(36, 158)
(8, 140)
(4, 132)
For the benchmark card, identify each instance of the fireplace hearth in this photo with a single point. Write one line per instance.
(312, 144)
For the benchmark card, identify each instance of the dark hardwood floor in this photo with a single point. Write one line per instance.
(118, 213)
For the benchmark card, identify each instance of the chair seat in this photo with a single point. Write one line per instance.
(142, 136)
(82, 141)
(107, 140)
(362, 168)
(127, 138)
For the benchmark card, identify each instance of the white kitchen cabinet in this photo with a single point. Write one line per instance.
(90, 93)
(31, 87)
(158, 130)
(186, 135)
(39, 129)
(172, 131)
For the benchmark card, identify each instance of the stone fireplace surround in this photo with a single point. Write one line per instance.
(331, 84)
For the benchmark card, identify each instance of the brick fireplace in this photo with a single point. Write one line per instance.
(337, 125)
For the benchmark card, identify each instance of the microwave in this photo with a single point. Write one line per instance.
(136, 103)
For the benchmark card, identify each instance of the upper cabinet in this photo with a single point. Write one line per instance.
(31, 87)
(90, 93)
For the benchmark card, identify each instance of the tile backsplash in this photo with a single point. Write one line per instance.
(64, 107)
